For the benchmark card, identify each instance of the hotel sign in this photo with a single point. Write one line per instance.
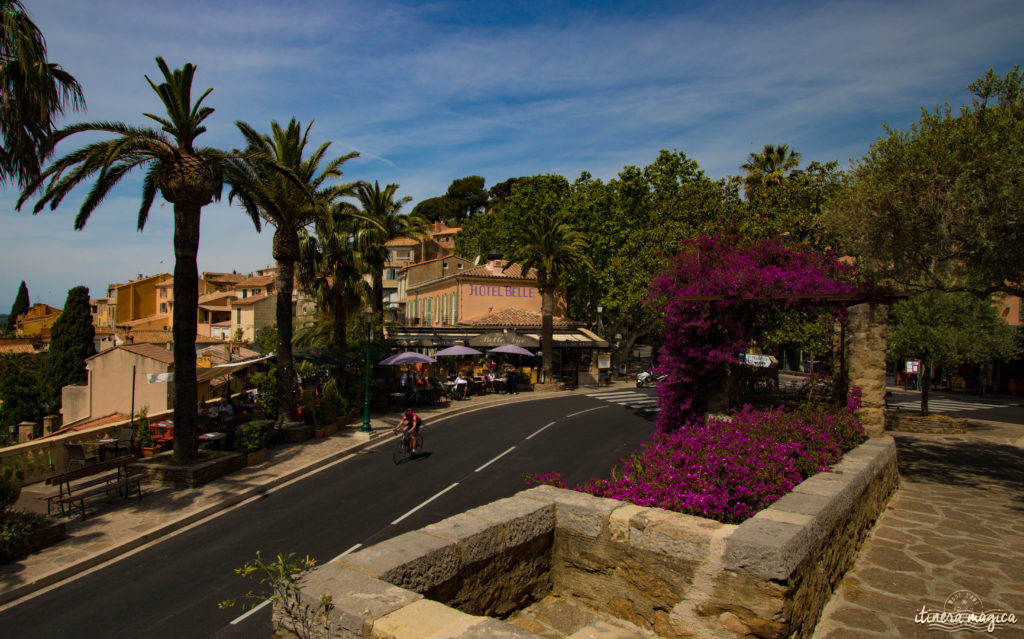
(483, 290)
(501, 339)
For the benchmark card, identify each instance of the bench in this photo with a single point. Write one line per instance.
(98, 480)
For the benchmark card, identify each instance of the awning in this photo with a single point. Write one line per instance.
(490, 340)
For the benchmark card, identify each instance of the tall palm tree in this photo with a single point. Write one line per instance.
(382, 222)
(186, 176)
(770, 167)
(274, 182)
(552, 247)
(329, 268)
(32, 92)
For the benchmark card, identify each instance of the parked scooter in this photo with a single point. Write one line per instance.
(648, 378)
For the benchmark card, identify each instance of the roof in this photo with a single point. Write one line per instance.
(402, 241)
(142, 279)
(216, 295)
(249, 300)
(485, 271)
(152, 351)
(90, 424)
(142, 321)
(212, 307)
(16, 346)
(161, 337)
(216, 352)
(259, 280)
(513, 316)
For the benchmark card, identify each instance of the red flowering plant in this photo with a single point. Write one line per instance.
(714, 299)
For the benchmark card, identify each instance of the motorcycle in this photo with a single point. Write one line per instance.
(648, 378)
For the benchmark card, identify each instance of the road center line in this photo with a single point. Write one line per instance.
(537, 432)
(424, 503)
(350, 550)
(251, 612)
(495, 459)
(587, 411)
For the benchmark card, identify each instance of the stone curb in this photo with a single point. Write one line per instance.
(94, 560)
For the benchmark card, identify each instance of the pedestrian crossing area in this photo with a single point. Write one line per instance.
(943, 405)
(631, 399)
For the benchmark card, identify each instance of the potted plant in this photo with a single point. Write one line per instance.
(251, 441)
(143, 436)
(331, 407)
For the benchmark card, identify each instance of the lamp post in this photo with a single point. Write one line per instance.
(368, 320)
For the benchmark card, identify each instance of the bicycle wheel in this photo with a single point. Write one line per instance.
(400, 451)
(419, 444)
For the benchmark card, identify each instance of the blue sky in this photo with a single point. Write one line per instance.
(430, 92)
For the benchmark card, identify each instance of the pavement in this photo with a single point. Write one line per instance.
(951, 538)
(118, 527)
(955, 524)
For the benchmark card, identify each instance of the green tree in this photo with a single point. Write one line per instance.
(547, 243)
(21, 397)
(330, 269)
(432, 209)
(266, 339)
(792, 209)
(381, 221)
(948, 329)
(274, 181)
(21, 305)
(186, 176)
(771, 167)
(33, 91)
(466, 197)
(71, 341)
(942, 205)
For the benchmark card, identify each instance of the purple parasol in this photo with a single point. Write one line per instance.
(511, 349)
(457, 350)
(408, 357)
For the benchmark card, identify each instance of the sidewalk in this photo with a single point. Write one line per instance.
(115, 528)
(956, 523)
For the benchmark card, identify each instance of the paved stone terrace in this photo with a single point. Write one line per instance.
(956, 523)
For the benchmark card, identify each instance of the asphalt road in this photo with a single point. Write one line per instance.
(997, 409)
(171, 588)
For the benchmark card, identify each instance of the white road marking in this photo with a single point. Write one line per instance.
(538, 431)
(238, 620)
(495, 459)
(350, 550)
(424, 503)
(584, 411)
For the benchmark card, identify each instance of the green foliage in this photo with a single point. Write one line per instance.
(10, 490)
(266, 386)
(16, 528)
(465, 197)
(792, 207)
(143, 436)
(949, 329)
(942, 206)
(249, 438)
(332, 405)
(433, 209)
(265, 339)
(20, 391)
(70, 344)
(21, 305)
(282, 577)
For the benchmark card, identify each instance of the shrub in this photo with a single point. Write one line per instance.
(730, 469)
(332, 405)
(250, 438)
(142, 433)
(266, 387)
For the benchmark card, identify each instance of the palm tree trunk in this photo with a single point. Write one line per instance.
(186, 300)
(340, 324)
(378, 304)
(547, 329)
(286, 251)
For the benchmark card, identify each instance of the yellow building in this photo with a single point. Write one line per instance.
(36, 321)
(140, 299)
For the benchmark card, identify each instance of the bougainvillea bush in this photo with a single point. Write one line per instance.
(730, 469)
(739, 283)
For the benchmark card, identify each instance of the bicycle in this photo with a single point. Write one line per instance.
(402, 451)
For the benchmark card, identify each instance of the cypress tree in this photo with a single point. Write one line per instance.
(71, 341)
(20, 305)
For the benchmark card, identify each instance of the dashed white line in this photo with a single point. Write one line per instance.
(495, 459)
(537, 432)
(424, 503)
(586, 411)
(350, 550)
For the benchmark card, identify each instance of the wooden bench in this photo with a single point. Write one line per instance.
(98, 480)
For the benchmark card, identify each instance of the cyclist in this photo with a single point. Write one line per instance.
(411, 423)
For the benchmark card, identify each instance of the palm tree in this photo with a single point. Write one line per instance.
(273, 181)
(770, 167)
(382, 222)
(186, 176)
(329, 268)
(553, 248)
(32, 92)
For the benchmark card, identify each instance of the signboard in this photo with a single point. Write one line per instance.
(760, 361)
(604, 360)
(483, 290)
(501, 339)
(913, 366)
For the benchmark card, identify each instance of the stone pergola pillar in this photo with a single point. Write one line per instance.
(864, 354)
(26, 431)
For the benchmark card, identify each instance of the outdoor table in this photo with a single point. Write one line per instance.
(214, 440)
(102, 443)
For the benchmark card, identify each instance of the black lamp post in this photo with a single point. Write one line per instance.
(368, 320)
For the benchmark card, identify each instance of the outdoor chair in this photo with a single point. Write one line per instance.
(77, 457)
(123, 443)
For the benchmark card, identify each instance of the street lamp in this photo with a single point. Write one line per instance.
(368, 320)
(600, 323)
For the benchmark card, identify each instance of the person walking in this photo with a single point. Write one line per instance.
(510, 381)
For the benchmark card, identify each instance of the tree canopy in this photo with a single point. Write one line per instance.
(942, 206)
(20, 305)
(71, 342)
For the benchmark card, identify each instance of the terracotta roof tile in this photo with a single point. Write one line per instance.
(99, 422)
(513, 316)
(259, 280)
(249, 300)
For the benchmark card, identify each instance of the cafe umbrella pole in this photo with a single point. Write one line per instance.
(368, 319)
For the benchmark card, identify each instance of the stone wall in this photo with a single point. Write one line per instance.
(675, 575)
(864, 360)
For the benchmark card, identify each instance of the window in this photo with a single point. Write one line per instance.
(427, 318)
(256, 291)
(455, 307)
(460, 266)
(444, 266)
(163, 293)
(238, 316)
(245, 293)
(163, 307)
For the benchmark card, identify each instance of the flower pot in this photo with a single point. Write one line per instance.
(319, 433)
(256, 457)
(149, 451)
(330, 429)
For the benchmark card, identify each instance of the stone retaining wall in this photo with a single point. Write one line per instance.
(673, 574)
